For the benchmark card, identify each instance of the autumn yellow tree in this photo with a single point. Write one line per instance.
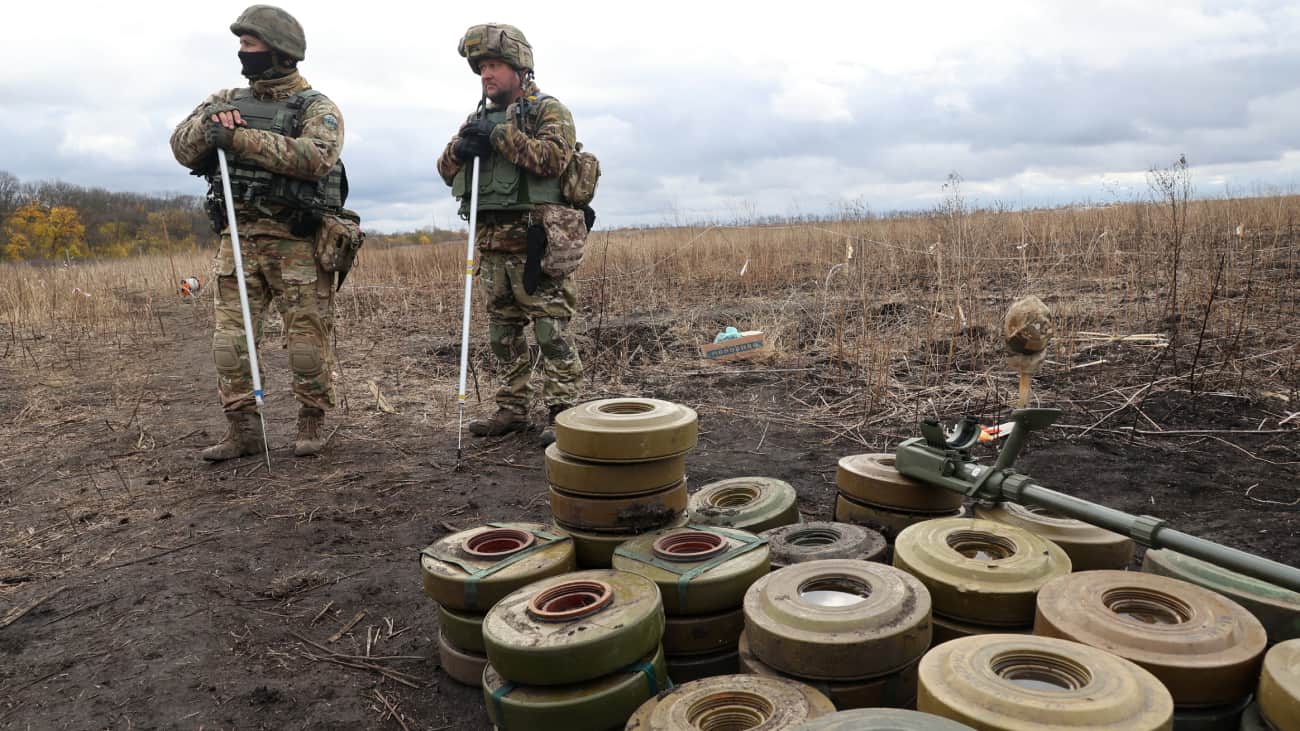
(44, 233)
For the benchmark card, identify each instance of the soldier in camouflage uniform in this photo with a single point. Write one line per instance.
(276, 230)
(524, 140)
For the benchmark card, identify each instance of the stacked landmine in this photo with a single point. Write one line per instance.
(578, 652)
(820, 540)
(1204, 647)
(731, 702)
(1279, 689)
(873, 493)
(618, 469)
(881, 719)
(752, 504)
(983, 576)
(1088, 546)
(1276, 608)
(467, 572)
(1027, 683)
(702, 573)
(855, 630)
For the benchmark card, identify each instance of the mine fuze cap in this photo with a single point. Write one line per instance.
(496, 40)
(277, 29)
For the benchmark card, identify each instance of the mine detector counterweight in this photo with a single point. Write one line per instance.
(942, 458)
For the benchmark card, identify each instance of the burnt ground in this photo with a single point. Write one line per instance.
(167, 593)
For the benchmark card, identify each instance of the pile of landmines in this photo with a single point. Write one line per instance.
(945, 630)
(617, 469)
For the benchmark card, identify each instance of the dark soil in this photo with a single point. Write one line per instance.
(175, 592)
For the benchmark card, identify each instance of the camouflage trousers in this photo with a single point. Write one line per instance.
(283, 271)
(510, 309)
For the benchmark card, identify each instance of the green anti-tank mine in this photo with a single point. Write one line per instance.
(820, 540)
(872, 479)
(891, 690)
(979, 571)
(626, 430)
(699, 570)
(685, 668)
(1276, 608)
(754, 504)
(462, 629)
(573, 628)
(470, 570)
(887, 521)
(460, 665)
(749, 702)
(579, 477)
(703, 633)
(640, 512)
(595, 705)
(1088, 547)
(838, 619)
(595, 549)
(1279, 686)
(1027, 683)
(1205, 648)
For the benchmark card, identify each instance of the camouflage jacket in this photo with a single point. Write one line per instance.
(309, 156)
(544, 151)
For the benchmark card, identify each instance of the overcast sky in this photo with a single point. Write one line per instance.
(703, 110)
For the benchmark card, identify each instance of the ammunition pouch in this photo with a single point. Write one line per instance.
(338, 239)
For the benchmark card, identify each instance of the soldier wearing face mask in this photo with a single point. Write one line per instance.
(283, 140)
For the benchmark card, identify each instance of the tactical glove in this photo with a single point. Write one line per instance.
(468, 148)
(218, 136)
(218, 107)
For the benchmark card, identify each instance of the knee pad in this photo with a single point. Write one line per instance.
(225, 352)
(305, 355)
(550, 338)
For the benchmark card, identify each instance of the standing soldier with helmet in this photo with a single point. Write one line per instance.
(534, 185)
(283, 140)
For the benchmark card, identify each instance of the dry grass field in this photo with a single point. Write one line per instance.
(141, 588)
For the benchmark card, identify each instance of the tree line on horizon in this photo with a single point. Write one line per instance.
(48, 221)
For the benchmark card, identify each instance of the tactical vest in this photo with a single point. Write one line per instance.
(502, 185)
(251, 185)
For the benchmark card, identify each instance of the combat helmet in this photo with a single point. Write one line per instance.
(496, 40)
(275, 27)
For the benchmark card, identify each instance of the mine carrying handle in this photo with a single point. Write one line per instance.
(950, 466)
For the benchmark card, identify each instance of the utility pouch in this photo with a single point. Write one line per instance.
(338, 239)
(537, 247)
(566, 231)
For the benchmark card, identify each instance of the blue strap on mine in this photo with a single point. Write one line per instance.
(497, 695)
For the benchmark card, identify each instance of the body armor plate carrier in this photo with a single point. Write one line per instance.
(502, 185)
(301, 202)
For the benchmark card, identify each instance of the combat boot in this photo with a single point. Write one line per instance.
(310, 441)
(503, 421)
(243, 438)
(548, 434)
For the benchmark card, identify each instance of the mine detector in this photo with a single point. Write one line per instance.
(941, 457)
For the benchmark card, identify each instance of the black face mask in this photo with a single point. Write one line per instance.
(255, 63)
